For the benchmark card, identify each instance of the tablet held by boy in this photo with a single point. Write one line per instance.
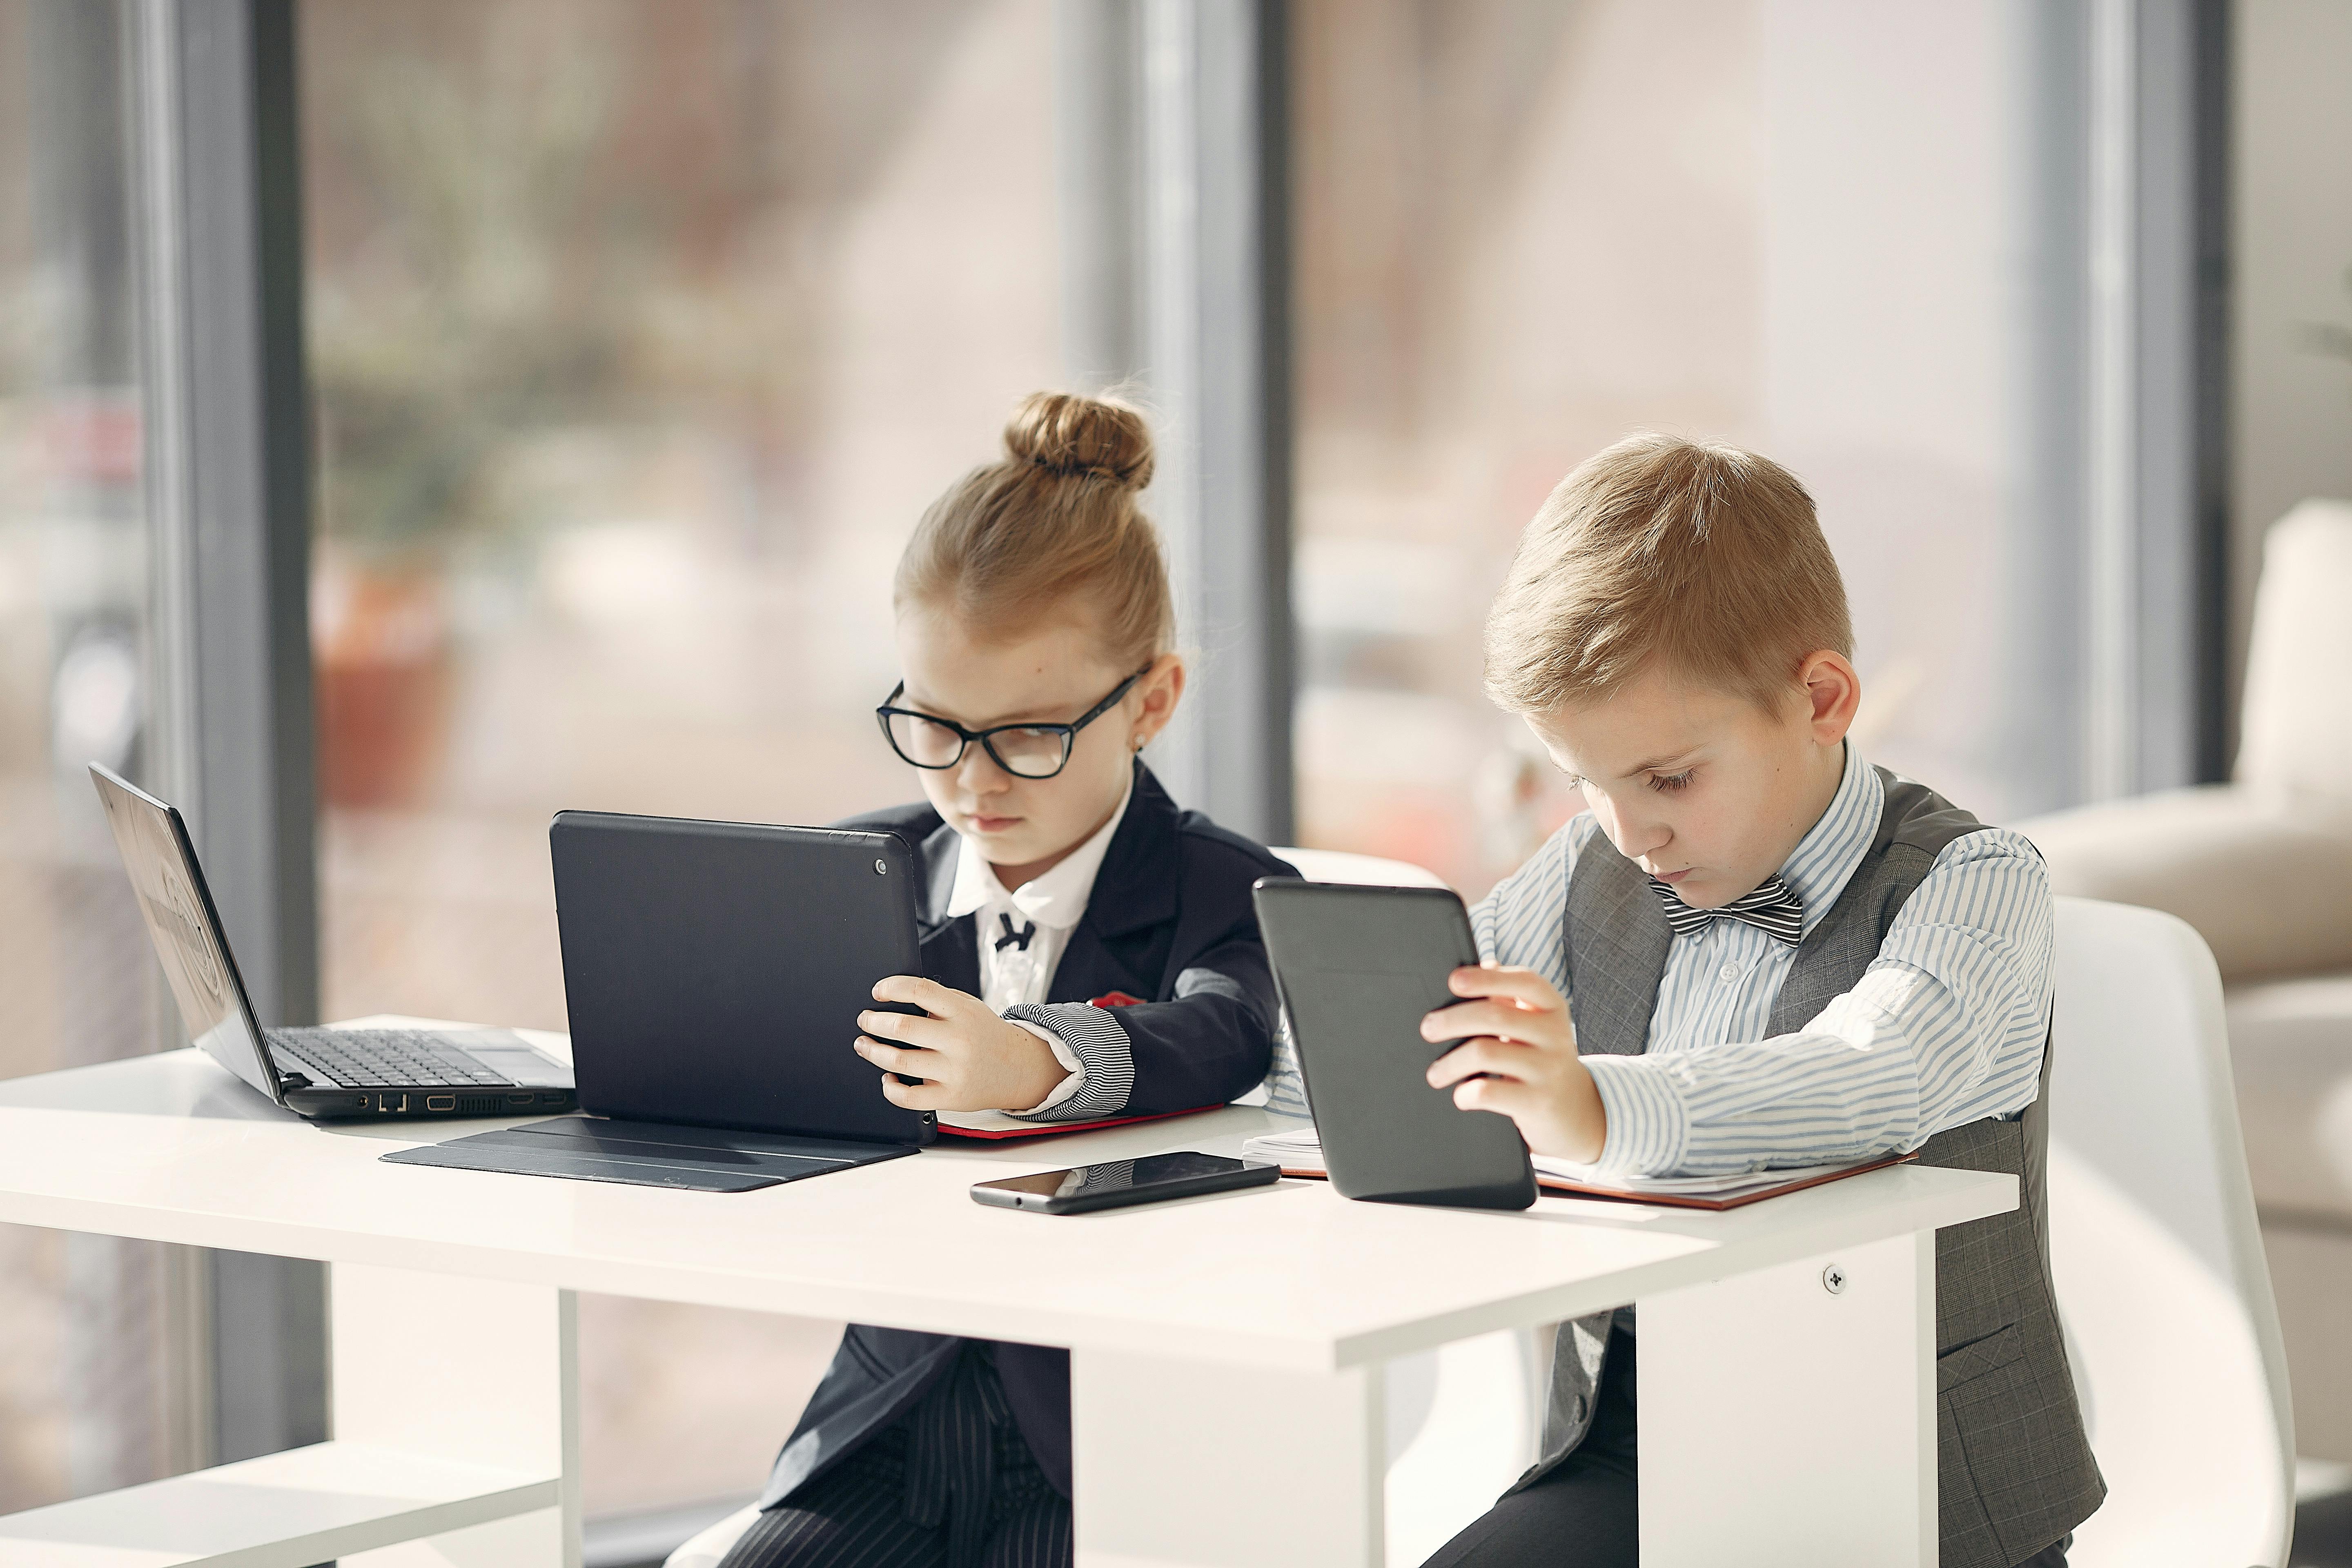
(1755, 949)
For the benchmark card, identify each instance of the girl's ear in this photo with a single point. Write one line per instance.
(1157, 694)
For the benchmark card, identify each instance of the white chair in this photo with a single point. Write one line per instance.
(705, 1550)
(1363, 870)
(2160, 1270)
(2263, 867)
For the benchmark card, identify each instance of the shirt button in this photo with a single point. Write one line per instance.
(1730, 972)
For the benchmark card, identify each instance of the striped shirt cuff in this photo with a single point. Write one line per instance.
(1649, 1125)
(1286, 1087)
(1069, 1086)
(1105, 1055)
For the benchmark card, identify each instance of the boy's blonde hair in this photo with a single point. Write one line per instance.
(1698, 557)
(1050, 532)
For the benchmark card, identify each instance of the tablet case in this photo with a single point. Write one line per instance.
(1357, 967)
(648, 1154)
(714, 970)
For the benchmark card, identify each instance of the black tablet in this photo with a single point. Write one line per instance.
(714, 970)
(1357, 968)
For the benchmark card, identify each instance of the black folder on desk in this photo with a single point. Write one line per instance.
(648, 1154)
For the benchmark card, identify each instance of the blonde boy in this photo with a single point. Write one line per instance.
(1754, 949)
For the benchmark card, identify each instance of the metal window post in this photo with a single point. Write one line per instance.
(1174, 151)
(2157, 398)
(227, 467)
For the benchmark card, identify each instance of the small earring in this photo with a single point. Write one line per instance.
(1138, 742)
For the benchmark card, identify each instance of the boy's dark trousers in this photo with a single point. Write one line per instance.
(1586, 1513)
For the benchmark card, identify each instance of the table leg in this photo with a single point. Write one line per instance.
(1203, 1466)
(1789, 1415)
(472, 1369)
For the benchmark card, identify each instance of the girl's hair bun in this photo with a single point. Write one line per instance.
(1055, 530)
(1067, 434)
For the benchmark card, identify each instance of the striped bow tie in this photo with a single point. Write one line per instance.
(1772, 908)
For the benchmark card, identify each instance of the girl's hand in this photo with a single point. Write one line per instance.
(968, 1059)
(1519, 1060)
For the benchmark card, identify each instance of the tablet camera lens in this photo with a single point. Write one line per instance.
(881, 868)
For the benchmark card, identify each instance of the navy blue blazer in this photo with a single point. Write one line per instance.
(1169, 920)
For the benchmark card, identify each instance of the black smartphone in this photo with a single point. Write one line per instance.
(1113, 1183)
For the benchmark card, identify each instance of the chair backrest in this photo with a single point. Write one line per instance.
(1366, 870)
(2158, 1265)
(2298, 708)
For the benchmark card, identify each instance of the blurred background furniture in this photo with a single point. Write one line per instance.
(2261, 866)
(2158, 1265)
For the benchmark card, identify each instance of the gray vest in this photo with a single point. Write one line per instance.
(2014, 1471)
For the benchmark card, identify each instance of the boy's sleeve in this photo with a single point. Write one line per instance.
(1210, 1044)
(1946, 1026)
(1520, 923)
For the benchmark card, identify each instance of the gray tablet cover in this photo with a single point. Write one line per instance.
(648, 1154)
(1357, 968)
(714, 970)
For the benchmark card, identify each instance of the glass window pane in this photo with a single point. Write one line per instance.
(1526, 231)
(642, 334)
(84, 1391)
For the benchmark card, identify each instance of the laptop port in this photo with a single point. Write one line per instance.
(553, 1096)
(440, 1102)
(519, 1099)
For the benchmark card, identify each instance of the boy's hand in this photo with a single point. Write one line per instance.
(1522, 1039)
(968, 1059)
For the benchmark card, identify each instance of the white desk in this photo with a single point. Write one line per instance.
(1226, 1406)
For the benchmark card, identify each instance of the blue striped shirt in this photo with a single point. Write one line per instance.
(1945, 1027)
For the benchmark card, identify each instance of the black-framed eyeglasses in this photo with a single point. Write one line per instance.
(1024, 751)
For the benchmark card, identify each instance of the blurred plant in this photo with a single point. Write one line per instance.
(540, 218)
(484, 303)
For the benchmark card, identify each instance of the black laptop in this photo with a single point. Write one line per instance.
(714, 972)
(321, 1073)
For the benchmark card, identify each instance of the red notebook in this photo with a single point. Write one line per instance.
(1300, 1153)
(996, 1124)
(1763, 1186)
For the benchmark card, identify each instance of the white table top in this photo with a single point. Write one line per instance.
(172, 1148)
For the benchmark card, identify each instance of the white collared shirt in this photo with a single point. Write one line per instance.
(1945, 1027)
(1045, 910)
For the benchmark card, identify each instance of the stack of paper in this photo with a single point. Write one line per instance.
(1299, 1152)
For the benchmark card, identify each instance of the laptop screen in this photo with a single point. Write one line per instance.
(178, 911)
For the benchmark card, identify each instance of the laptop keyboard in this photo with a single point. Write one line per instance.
(387, 1059)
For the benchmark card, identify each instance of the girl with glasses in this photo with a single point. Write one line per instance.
(1088, 950)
